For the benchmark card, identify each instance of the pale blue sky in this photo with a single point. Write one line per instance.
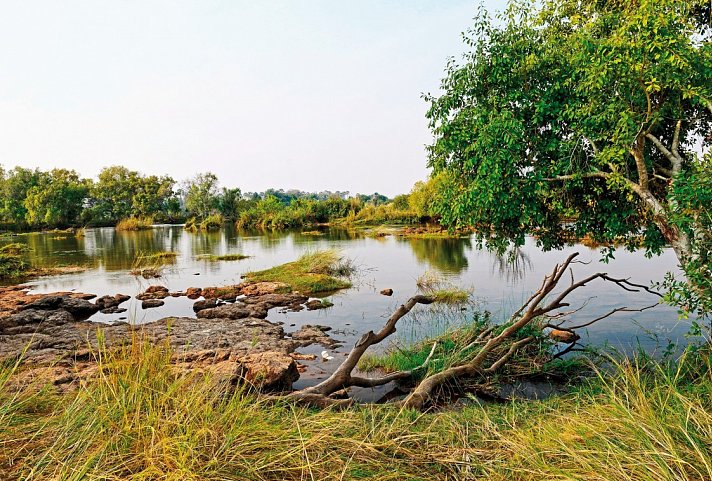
(311, 95)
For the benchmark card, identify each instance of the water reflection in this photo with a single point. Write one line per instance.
(513, 265)
(446, 255)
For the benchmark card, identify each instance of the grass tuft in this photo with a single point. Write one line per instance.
(313, 272)
(135, 223)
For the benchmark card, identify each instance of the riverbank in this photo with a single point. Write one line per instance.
(139, 418)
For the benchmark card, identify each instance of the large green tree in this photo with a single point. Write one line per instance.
(120, 193)
(57, 199)
(569, 117)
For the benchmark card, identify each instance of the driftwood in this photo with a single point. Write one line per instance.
(490, 358)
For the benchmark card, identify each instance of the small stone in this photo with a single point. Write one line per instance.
(387, 292)
(151, 303)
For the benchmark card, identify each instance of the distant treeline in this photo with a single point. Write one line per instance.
(36, 199)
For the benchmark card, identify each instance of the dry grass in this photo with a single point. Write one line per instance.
(139, 419)
(135, 223)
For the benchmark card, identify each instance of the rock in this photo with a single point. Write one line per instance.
(177, 294)
(309, 334)
(80, 309)
(113, 310)
(269, 301)
(315, 304)
(156, 289)
(387, 292)
(81, 295)
(231, 311)
(560, 335)
(194, 292)
(262, 288)
(151, 303)
(30, 317)
(153, 292)
(221, 292)
(108, 302)
(269, 371)
(204, 304)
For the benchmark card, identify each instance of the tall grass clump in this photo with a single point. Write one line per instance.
(139, 418)
(151, 265)
(313, 272)
(135, 223)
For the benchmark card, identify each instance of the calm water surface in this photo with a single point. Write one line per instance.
(389, 262)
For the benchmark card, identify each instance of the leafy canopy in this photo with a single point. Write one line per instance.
(576, 117)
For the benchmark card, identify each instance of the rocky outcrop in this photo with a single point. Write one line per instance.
(233, 341)
(79, 308)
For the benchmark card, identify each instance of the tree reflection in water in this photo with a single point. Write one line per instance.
(445, 255)
(512, 265)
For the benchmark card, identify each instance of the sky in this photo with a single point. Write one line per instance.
(304, 94)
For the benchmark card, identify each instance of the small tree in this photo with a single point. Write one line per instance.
(201, 194)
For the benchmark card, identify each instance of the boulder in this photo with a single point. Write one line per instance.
(108, 302)
(204, 304)
(194, 292)
(153, 292)
(269, 370)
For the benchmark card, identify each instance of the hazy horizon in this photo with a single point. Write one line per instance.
(310, 95)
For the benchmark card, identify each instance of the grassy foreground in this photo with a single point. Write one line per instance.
(140, 420)
(313, 272)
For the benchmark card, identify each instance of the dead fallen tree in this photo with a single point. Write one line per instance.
(498, 343)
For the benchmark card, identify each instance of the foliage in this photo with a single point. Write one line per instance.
(313, 272)
(569, 118)
(120, 193)
(201, 195)
(57, 199)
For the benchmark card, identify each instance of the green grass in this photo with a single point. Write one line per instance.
(314, 272)
(135, 223)
(224, 257)
(140, 419)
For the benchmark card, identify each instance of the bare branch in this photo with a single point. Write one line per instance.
(512, 349)
(619, 309)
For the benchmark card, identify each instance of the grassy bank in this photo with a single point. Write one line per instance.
(314, 272)
(138, 419)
